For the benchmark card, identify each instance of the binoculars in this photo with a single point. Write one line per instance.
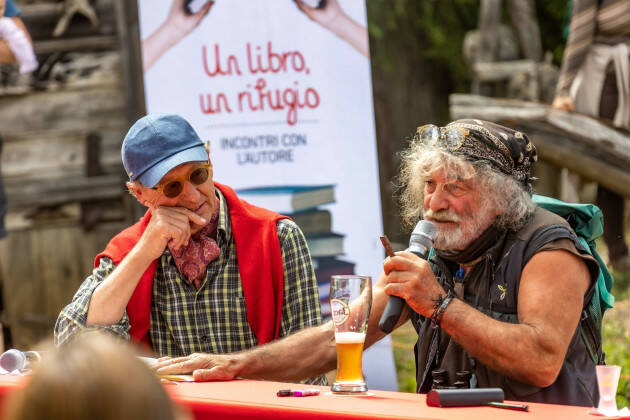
(441, 379)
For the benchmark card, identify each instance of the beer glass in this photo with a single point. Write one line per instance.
(350, 303)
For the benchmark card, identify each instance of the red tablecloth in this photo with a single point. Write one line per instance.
(257, 399)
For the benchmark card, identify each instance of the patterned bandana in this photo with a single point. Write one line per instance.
(192, 259)
(507, 150)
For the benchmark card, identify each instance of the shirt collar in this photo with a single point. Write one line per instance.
(224, 228)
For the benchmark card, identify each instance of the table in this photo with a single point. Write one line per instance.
(247, 399)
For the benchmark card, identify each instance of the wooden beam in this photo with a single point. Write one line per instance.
(54, 192)
(40, 11)
(88, 43)
(611, 142)
(579, 158)
(502, 70)
(585, 145)
(78, 110)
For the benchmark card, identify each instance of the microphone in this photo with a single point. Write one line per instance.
(420, 243)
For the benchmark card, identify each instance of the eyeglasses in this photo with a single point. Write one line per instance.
(451, 138)
(173, 188)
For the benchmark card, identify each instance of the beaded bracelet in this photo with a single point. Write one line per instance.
(440, 308)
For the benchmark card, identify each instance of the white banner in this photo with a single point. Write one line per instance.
(284, 96)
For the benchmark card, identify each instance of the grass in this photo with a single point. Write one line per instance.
(616, 335)
(403, 340)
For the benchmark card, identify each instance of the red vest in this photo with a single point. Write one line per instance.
(259, 264)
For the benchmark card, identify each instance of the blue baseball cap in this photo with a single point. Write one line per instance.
(156, 144)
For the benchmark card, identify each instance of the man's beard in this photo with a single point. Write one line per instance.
(465, 229)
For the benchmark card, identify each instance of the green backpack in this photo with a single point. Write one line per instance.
(587, 221)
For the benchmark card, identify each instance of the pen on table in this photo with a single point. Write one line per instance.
(508, 406)
(387, 246)
(297, 393)
(167, 381)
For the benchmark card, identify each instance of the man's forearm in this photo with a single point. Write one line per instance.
(110, 298)
(514, 350)
(307, 353)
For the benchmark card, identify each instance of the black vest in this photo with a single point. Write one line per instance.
(492, 287)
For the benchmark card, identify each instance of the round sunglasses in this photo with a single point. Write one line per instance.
(173, 188)
(450, 138)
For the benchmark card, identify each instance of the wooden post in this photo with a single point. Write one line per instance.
(91, 211)
(525, 23)
(131, 58)
(489, 21)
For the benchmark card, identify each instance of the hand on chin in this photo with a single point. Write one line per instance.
(203, 211)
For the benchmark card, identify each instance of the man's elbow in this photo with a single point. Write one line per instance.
(545, 372)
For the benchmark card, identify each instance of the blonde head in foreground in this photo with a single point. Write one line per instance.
(91, 377)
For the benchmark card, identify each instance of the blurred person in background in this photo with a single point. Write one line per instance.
(15, 42)
(595, 80)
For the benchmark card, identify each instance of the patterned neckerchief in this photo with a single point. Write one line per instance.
(192, 259)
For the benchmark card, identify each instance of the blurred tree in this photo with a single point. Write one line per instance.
(552, 18)
(417, 61)
(415, 48)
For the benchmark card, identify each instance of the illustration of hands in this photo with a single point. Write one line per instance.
(183, 17)
(330, 15)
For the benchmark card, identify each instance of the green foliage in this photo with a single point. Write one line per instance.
(431, 31)
(403, 340)
(552, 18)
(621, 289)
(616, 337)
(615, 340)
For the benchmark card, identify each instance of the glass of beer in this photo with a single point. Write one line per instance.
(350, 303)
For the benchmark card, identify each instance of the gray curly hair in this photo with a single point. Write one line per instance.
(501, 192)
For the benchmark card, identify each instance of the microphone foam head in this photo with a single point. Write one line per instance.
(425, 228)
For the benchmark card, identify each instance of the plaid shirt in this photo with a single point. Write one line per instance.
(213, 319)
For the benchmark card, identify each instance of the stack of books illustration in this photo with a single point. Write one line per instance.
(305, 205)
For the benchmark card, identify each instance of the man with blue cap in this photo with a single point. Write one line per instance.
(202, 271)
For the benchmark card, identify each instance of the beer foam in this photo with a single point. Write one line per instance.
(349, 337)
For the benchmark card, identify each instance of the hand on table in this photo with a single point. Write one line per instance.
(203, 366)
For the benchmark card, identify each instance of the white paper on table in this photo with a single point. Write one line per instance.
(152, 361)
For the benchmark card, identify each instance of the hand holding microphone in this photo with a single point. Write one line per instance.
(420, 243)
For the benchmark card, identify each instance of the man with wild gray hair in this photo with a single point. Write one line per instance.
(479, 305)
